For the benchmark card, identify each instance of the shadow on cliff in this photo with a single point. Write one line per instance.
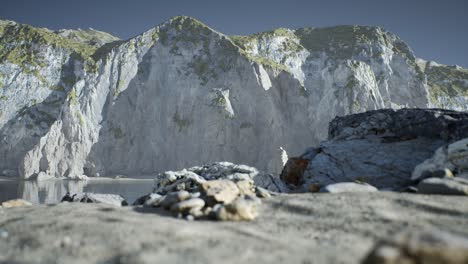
(112, 133)
(33, 122)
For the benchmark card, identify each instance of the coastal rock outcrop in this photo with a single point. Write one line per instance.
(383, 147)
(449, 160)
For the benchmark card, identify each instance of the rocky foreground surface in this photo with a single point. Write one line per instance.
(291, 228)
(355, 205)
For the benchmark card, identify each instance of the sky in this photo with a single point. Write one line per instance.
(435, 30)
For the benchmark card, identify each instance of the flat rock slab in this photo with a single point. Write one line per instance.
(294, 228)
(15, 203)
(110, 199)
(344, 187)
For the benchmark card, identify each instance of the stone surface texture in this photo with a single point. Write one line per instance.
(290, 228)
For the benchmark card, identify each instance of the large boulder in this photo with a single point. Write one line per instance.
(448, 160)
(381, 147)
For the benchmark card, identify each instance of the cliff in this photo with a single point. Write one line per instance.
(82, 102)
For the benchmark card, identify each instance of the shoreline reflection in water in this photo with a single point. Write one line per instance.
(52, 191)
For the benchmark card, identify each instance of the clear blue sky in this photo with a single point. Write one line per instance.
(436, 30)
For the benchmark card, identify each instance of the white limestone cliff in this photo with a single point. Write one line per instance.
(182, 94)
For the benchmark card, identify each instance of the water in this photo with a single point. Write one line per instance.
(52, 191)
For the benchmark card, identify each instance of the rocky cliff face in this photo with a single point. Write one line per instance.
(181, 94)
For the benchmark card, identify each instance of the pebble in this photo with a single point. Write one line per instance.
(187, 205)
(154, 200)
(197, 212)
(196, 195)
(174, 197)
(262, 193)
(313, 188)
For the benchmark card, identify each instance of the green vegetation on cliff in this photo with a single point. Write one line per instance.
(341, 42)
(249, 43)
(24, 46)
(446, 81)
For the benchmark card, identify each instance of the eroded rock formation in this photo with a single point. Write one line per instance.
(81, 102)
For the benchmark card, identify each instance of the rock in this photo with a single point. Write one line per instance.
(42, 176)
(10, 173)
(193, 204)
(313, 188)
(110, 199)
(262, 193)
(212, 186)
(348, 187)
(226, 170)
(457, 154)
(190, 179)
(414, 247)
(195, 195)
(447, 186)
(446, 160)
(271, 183)
(81, 177)
(230, 171)
(173, 198)
(381, 148)
(219, 191)
(293, 170)
(399, 125)
(152, 199)
(434, 173)
(197, 213)
(16, 203)
(241, 209)
(173, 181)
(246, 187)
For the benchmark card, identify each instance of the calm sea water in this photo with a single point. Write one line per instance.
(52, 191)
